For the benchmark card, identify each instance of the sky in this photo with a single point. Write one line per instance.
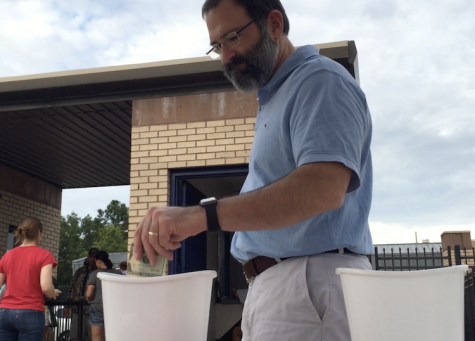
(416, 66)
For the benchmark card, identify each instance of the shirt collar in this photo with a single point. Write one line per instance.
(297, 58)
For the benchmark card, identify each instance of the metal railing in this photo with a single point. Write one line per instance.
(62, 314)
(469, 306)
(464, 256)
(405, 260)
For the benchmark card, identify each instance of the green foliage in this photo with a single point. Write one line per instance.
(111, 238)
(90, 230)
(117, 214)
(107, 231)
(70, 246)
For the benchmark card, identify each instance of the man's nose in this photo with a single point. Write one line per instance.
(226, 54)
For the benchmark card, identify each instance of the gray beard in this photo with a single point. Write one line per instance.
(259, 63)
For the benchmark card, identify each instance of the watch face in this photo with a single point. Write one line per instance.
(208, 201)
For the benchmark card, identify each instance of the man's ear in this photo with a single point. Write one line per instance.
(275, 24)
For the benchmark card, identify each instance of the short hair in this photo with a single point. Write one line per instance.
(92, 251)
(257, 9)
(123, 265)
(29, 229)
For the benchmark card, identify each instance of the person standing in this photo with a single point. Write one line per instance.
(28, 272)
(76, 294)
(94, 295)
(123, 267)
(303, 209)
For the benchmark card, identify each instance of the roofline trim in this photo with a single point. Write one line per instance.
(341, 49)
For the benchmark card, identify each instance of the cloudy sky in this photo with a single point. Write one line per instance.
(416, 64)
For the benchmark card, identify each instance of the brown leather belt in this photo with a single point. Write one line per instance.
(258, 265)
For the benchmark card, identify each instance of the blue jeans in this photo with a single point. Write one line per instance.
(95, 318)
(21, 325)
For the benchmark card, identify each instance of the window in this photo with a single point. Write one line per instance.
(11, 229)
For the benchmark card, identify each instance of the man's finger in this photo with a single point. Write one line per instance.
(164, 237)
(175, 246)
(149, 251)
(160, 249)
(160, 241)
(174, 238)
(138, 247)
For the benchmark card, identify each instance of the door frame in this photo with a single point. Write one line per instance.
(177, 175)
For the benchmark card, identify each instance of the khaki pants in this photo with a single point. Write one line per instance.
(300, 299)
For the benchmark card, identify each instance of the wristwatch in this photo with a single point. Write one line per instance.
(209, 204)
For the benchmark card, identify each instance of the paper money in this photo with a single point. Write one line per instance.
(143, 268)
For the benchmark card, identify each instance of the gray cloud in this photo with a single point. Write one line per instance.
(416, 68)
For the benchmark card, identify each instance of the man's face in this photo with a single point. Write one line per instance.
(91, 260)
(249, 65)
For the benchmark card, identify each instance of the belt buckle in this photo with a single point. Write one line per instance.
(248, 280)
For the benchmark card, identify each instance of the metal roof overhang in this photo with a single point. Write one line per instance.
(72, 129)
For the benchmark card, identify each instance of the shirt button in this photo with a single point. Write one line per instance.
(262, 107)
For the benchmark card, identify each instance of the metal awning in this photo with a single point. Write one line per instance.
(69, 146)
(72, 129)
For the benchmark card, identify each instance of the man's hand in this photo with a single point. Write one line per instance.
(168, 226)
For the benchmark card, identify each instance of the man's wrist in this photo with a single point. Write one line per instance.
(211, 211)
(200, 215)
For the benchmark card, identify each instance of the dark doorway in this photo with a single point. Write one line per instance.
(208, 251)
(211, 251)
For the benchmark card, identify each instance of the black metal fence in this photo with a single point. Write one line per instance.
(469, 306)
(430, 258)
(464, 256)
(61, 308)
(409, 260)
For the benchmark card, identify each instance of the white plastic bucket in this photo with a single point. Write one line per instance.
(168, 308)
(405, 305)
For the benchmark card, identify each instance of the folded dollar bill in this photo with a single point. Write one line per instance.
(143, 268)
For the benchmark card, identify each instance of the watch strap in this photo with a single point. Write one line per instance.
(212, 216)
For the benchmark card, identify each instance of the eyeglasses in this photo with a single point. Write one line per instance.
(230, 41)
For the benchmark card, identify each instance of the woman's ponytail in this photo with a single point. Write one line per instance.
(104, 257)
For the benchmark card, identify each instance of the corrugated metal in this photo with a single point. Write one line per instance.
(70, 146)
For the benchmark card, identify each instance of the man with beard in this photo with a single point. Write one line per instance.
(303, 209)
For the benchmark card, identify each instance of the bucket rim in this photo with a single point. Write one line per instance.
(110, 277)
(393, 274)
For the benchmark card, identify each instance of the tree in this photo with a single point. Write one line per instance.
(90, 232)
(116, 214)
(111, 239)
(70, 246)
(107, 231)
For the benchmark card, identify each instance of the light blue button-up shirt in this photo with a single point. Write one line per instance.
(312, 110)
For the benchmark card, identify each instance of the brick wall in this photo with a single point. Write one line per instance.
(13, 209)
(158, 148)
